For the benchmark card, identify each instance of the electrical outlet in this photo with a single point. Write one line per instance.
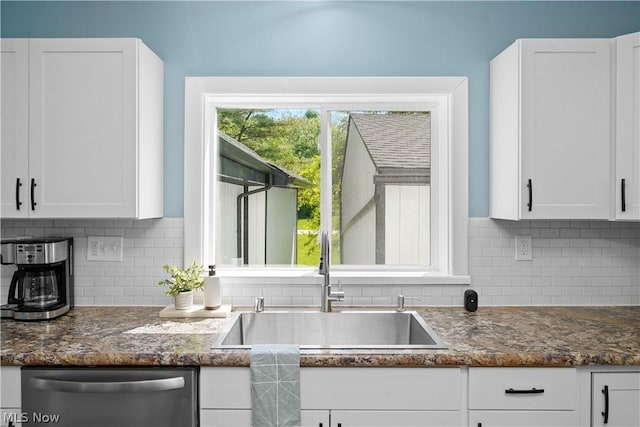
(523, 248)
(104, 248)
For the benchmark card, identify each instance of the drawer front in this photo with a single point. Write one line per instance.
(522, 388)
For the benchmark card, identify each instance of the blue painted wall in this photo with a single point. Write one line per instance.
(323, 38)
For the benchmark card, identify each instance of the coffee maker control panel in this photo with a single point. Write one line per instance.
(41, 252)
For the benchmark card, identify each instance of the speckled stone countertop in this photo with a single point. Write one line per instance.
(492, 336)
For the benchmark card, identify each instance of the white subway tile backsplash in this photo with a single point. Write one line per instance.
(574, 263)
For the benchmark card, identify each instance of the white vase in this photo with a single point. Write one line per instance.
(184, 300)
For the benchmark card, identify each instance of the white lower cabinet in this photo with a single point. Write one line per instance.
(344, 397)
(411, 397)
(615, 399)
(522, 397)
(372, 418)
(242, 417)
(522, 418)
(10, 413)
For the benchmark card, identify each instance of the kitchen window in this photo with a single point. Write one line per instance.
(243, 206)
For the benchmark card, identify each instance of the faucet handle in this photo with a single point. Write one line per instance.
(401, 301)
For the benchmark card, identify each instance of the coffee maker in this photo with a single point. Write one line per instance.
(42, 286)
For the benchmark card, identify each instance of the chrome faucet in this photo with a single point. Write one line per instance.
(324, 269)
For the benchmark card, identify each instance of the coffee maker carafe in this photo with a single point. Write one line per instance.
(42, 286)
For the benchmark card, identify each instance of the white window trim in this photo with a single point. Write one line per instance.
(447, 95)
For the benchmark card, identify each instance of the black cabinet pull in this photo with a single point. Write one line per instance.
(530, 187)
(605, 413)
(529, 391)
(18, 202)
(622, 195)
(33, 192)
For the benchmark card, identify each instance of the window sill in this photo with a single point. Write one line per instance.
(304, 276)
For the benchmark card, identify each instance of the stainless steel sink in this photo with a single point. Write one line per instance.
(341, 330)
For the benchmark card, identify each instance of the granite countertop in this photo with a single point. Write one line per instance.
(492, 336)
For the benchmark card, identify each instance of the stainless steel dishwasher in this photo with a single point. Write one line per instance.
(97, 397)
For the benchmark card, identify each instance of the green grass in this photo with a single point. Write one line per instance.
(306, 257)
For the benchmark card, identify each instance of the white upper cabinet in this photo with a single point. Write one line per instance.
(550, 130)
(627, 184)
(95, 131)
(14, 126)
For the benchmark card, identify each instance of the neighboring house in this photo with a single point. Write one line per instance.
(386, 190)
(258, 207)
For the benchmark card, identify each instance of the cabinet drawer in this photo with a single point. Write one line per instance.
(522, 388)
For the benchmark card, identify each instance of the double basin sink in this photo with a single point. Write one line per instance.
(338, 330)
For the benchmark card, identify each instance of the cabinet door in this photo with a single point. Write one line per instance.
(82, 108)
(225, 417)
(522, 418)
(565, 128)
(627, 185)
(314, 418)
(614, 399)
(14, 128)
(242, 418)
(395, 418)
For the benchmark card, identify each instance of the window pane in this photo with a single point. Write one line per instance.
(269, 187)
(381, 187)
(269, 194)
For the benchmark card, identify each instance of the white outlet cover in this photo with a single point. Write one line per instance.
(523, 248)
(104, 248)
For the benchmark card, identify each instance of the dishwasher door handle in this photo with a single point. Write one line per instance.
(141, 386)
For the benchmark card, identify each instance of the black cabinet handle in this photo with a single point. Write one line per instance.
(33, 192)
(622, 195)
(18, 202)
(605, 413)
(529, 391)
(530, 187)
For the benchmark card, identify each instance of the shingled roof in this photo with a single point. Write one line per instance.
(396, 140)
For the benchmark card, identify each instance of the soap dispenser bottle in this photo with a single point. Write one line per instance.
(212, 290)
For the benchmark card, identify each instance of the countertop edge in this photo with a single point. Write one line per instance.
(241, 359)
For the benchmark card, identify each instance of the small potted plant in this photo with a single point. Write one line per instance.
(182, 283)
